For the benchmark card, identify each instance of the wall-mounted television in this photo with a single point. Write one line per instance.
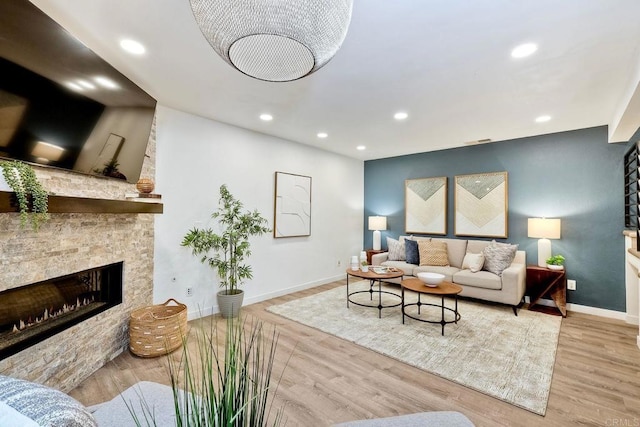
(63, 106)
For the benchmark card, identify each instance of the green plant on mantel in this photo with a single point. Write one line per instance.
(555, 260)
(23, 181)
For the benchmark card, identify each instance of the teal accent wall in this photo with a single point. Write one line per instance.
(576, 176)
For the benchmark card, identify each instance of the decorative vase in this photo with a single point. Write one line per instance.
(230, 303)
(354, 263)
(145, 185)
(555, 267)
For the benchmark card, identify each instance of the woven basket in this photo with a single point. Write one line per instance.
(157, 330)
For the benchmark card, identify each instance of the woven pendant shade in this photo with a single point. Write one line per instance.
(274, 40)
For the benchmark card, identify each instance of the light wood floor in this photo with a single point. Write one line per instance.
(596, 379)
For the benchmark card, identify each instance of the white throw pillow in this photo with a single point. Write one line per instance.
(473, 262)
(396, 249)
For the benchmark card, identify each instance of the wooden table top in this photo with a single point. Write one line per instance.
(444, 288)
(371, 275)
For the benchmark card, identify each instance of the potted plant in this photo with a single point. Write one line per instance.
(227, 251)
(364, 266)
(22, 180)
(555, 262)
(222, 378)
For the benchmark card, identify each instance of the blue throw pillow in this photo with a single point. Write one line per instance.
(411, 251)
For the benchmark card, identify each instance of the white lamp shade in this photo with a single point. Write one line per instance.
(377, 223)
(544, 228)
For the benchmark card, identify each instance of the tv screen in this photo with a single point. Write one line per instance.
(61, 105)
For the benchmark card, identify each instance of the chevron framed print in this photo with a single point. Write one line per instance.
(481, 205)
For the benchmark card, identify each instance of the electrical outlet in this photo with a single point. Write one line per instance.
(189, 292)
(571, 285)
(339, 263)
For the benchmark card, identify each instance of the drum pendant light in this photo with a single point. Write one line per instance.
(274, 40)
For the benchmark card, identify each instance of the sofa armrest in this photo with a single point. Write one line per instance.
(378, 259)
(514, 283)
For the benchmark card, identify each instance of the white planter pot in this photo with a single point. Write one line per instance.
(364, 268)
(555, 267)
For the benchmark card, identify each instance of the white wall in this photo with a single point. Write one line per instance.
(196, 155)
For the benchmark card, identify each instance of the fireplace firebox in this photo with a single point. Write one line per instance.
(32, 313)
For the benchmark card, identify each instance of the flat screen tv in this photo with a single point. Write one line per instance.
(61, 105)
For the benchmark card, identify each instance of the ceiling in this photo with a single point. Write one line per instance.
(446, 63)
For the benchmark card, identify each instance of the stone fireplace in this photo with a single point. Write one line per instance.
(32, 313)
(74, 242)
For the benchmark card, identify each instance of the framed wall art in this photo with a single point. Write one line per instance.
(481, 205)
(292, 205)
(426, 205)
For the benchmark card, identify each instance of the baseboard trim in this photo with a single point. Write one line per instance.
(595, 311)
(192, 315)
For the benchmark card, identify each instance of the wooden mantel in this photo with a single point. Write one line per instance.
(67, 204)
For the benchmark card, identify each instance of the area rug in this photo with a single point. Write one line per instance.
(489, 350)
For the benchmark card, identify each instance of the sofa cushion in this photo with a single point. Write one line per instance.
(473, 262)
(412, 256)
(433, 253)
(447, 271)
(477, 246)
(498, 256)
(44, 405)
(456, 248)
(396, 249)
(406, 268)
(481, 279)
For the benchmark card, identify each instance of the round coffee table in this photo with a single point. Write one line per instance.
(444, 289)
(373, 277)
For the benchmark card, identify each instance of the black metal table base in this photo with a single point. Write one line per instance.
(371, 291)
(442, 321)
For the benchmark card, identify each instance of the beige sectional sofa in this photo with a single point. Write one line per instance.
(507, 288)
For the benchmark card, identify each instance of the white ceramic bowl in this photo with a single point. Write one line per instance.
(431, 279)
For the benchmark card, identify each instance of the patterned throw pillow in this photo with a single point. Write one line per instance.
(473, 262)
(433, 253)
(498, 256)
(396, 250)
(412, 255)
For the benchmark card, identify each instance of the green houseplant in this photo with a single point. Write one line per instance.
(223, 378)
(555, 262)
(23, 181)
(227, 251)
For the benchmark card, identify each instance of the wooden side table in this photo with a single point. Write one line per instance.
(371, 253)
(542, 281)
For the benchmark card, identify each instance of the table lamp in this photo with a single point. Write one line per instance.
(377, 223)
(544, 229)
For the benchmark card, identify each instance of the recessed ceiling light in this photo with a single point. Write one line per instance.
(85, 84)
(105, 82)
(543, 119)
(266, 117)
(322, 135)
(132, 46)
(361, 147)
(401, 115)
(524, 50)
